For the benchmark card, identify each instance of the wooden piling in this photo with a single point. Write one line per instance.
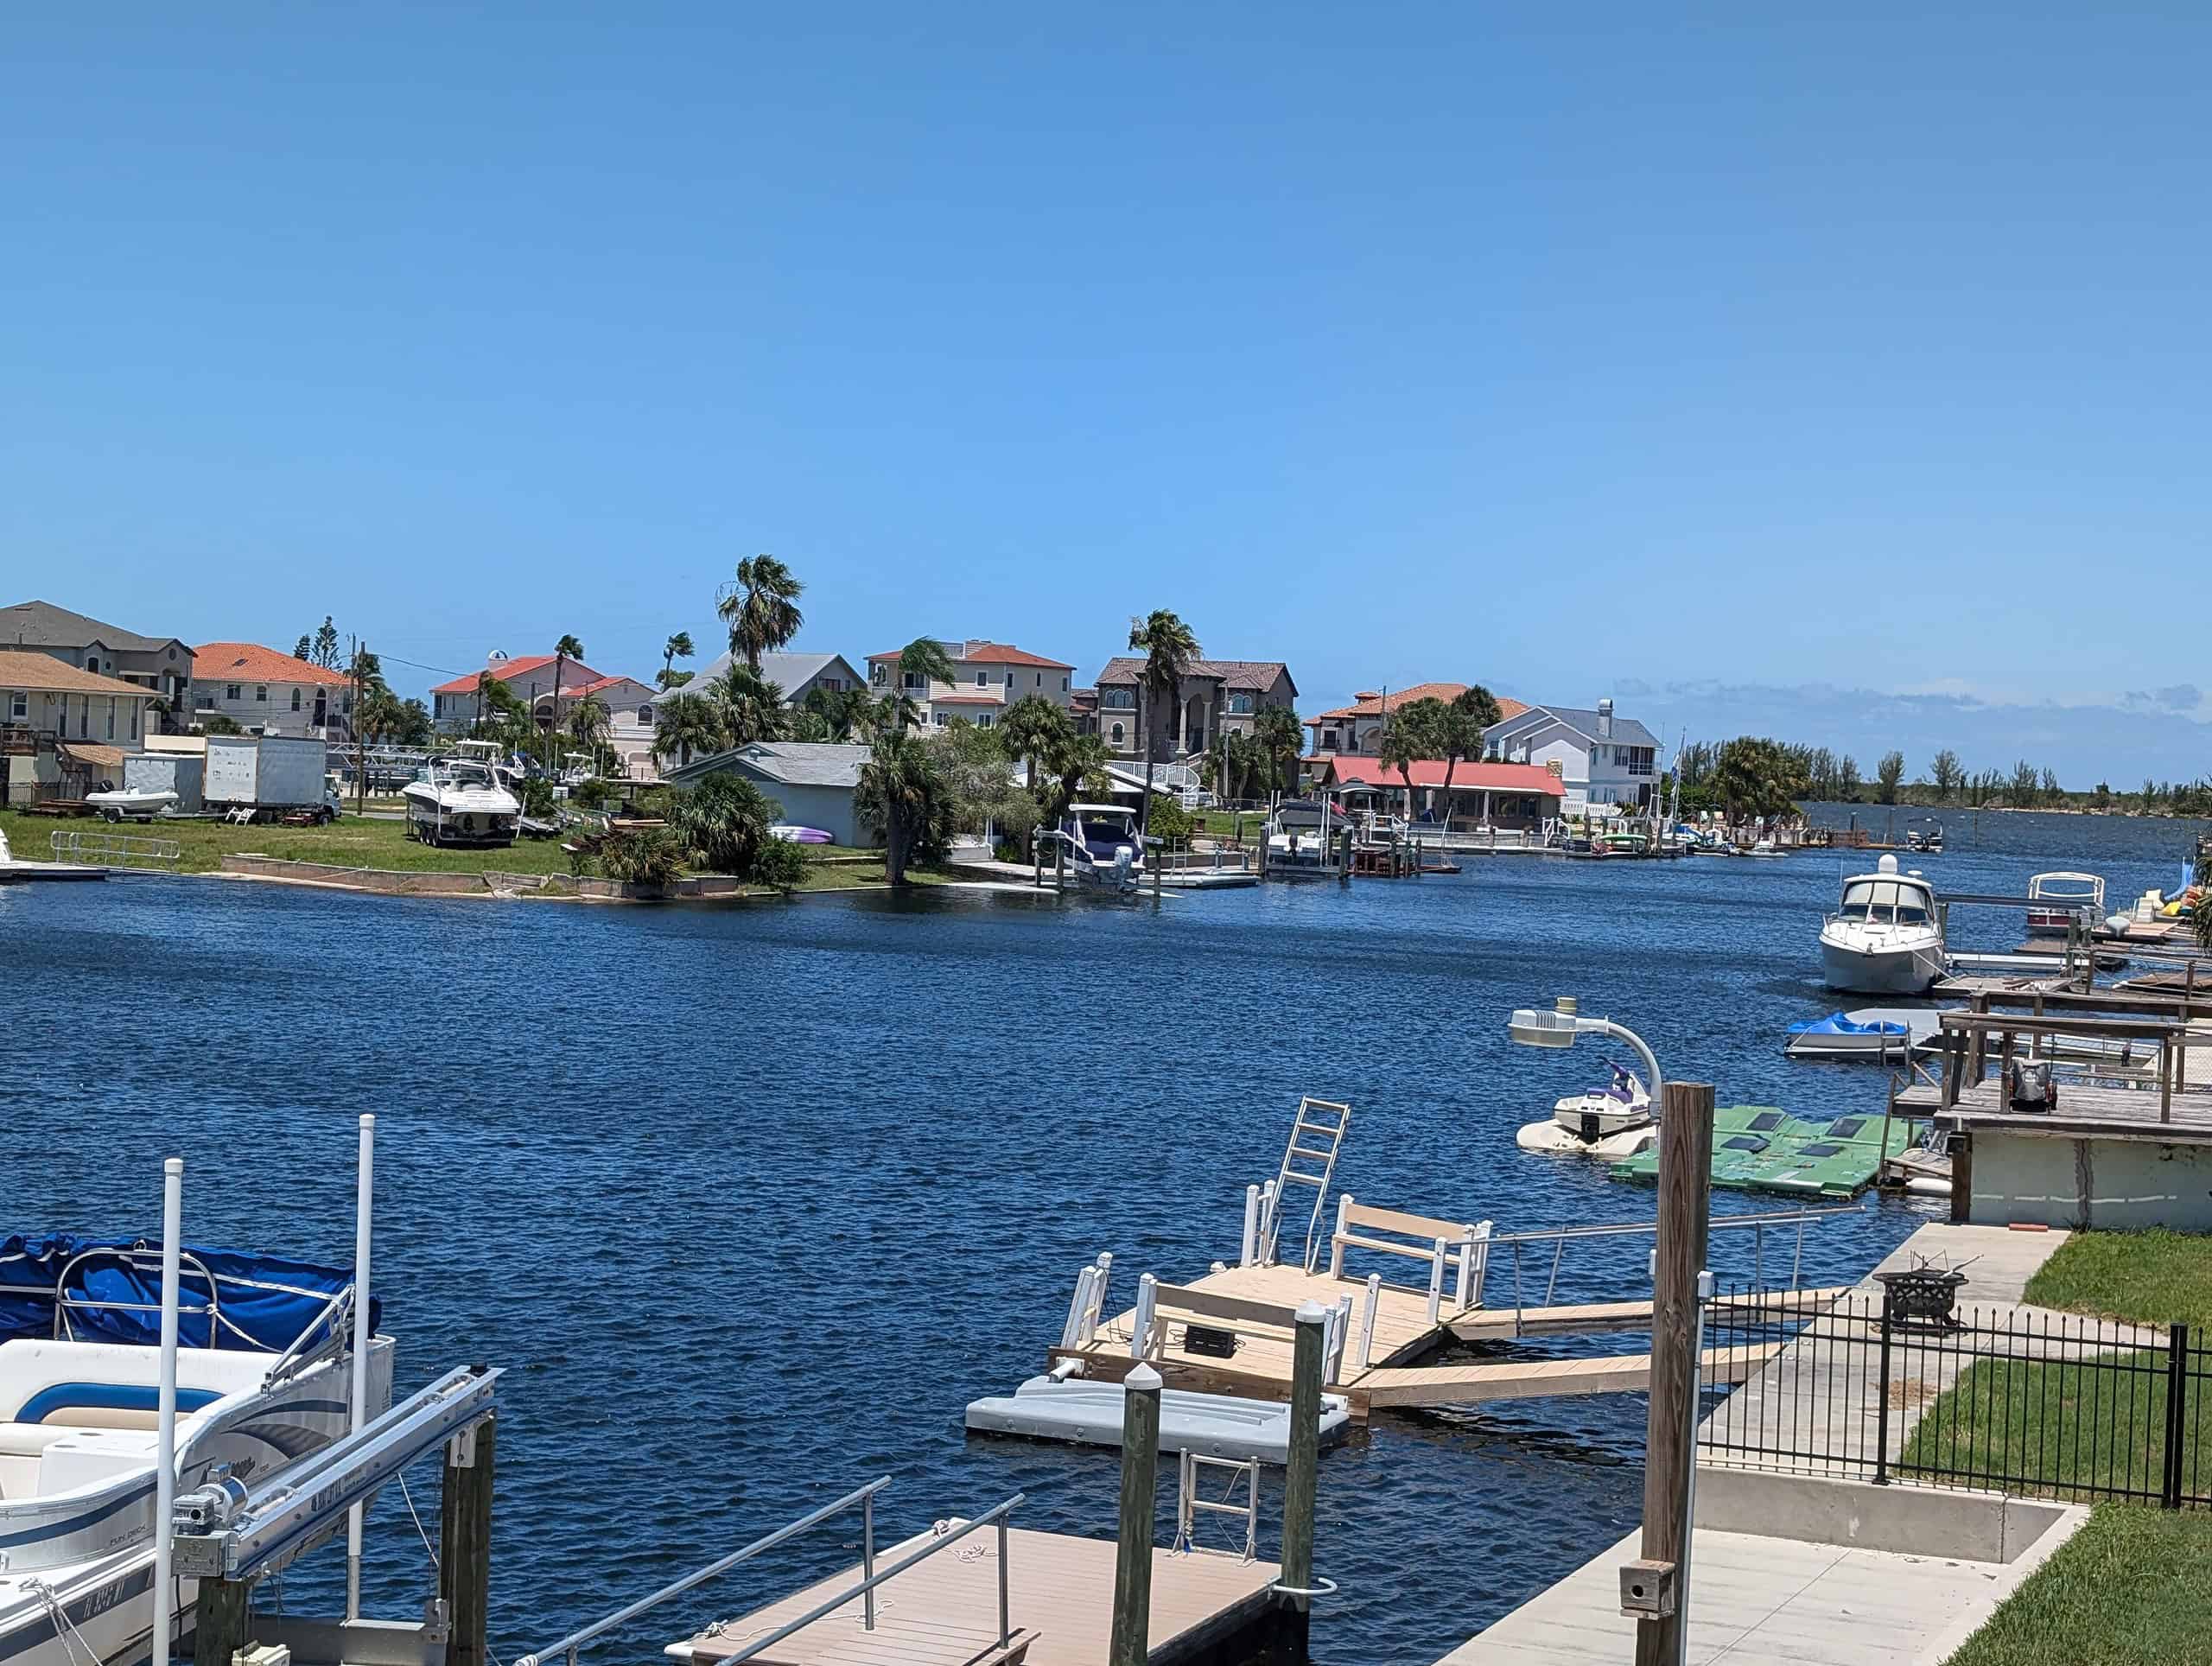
(222, 1621)
(1130, 1643)
(1670, 1437)
(464, 1542)
(1305, 1453)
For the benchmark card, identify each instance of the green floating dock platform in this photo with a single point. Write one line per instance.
(1764, 1148)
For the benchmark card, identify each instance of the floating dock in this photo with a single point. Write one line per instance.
(1059, 1592)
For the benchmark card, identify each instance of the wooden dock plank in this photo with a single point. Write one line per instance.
(1535, 1379)
(944, 1610)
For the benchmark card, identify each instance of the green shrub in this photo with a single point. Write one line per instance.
(1171, 823)
(645, 857)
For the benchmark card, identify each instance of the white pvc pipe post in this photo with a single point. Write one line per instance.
(165, 1416)
(1251, 1226)
(363, 1208)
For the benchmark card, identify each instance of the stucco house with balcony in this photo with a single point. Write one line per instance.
(266, 692)
(49, 707)
(1217, 695)
(992, 676)
(1603, 759)
(530, 679)
(160, 663)
(629, 720)
(1357, 729)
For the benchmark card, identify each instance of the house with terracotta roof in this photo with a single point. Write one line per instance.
(1357, 728)
(266, 692)
(50, 710)
(629, 720)
(1217, 695)
(992, 676)
(1480, 796)
(529, 679)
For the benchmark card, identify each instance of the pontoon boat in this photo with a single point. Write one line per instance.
(2056, 901)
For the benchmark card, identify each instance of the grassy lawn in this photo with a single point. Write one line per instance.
(355, 841)
(2133, 1587)
(2054, 1427)
(2153, 1278)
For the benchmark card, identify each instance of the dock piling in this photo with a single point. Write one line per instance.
(221, 1623)
(1305, 1454)
(1130, 1643)
(464, 1541)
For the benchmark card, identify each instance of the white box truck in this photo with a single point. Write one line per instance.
(268, 776)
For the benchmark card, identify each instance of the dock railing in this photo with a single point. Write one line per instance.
(129, 850)
(1460, 1246)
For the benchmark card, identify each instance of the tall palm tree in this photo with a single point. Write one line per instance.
(1405, 743)
(926, 658)
(566, 649)
(686, 723)
(677, 647)
(1168, 648)
(762, 612)
(896, 786)
(752, 707)
(1466, 720)
(1283, 737)
(591, 722)
(1032, 726)
(1074, 760)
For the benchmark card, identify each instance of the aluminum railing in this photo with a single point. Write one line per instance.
(570, 1647)
(1559, 1237)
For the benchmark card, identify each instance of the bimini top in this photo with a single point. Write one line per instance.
(1101, 810)
(109, 1290)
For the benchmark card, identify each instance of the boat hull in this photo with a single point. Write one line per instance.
(1548, 1135)
(1880, 967)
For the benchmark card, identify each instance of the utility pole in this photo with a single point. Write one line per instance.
(361, 743)
(1655, 1587)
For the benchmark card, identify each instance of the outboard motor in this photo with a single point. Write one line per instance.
(1125, 862)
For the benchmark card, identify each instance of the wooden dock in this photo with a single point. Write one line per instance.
(1255, 1305)
(945, 1611)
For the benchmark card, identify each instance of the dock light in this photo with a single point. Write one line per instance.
(1533, 1027)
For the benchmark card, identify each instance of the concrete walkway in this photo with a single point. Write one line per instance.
(1762, 1599)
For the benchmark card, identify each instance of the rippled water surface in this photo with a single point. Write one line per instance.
(752, 1202)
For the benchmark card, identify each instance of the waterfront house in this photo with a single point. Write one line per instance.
(46, 703)
(1603, 759)
(797, 674)
(1217, 695)
(629, 721)
(1483, 795)
(454, 706)
(813, 781)
(1357, 728)
(160, 663)
(991, 676)
(266, 692)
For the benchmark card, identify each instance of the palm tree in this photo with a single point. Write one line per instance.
(896, 789)
(677, 647)
(1168, 648)
(843, 712)
(1283, 737)
(1032, 726)
(752, 707)
(686, 723)
(762, 612)
(1466, 720)
(926, 658)
(566, 649)
(590, 722)
(1405, 742)
(1073, 759)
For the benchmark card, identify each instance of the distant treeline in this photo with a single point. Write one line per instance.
(1753, 776)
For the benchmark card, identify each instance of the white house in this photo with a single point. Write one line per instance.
(455, 705)
(48, 706)
(266, 692)
(991, 676)
(1603, 759)
(629, 716)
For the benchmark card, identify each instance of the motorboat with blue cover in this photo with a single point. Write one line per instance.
(264, 1365)
(1102, 846)
(1880, 1033)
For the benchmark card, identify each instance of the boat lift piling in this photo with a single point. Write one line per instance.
(165, 1416)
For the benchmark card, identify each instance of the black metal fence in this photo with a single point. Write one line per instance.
(1996, 1399)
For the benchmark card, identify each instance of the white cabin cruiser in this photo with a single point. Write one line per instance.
(1611, 1121)
(1297, 833)
(263, 1372)
(1103, 845)
(136, 803)
(461, 801)
(1885, 936)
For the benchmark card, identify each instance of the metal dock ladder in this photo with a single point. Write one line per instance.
(1322, 1123)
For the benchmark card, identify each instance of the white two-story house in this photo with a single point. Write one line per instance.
(991, 676)
(266, 692)
(1603, 759)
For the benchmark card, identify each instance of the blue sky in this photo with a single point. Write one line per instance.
(1725, 362)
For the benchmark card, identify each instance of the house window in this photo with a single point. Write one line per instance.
(346, 703)
(1063, 685)
(261, 694)
(230, 691)
(296, 697)
(875, 675)
(1117, 733)
(983, 679)
(1241, 703)
(984, 721)
(913, 680)
(111, 718)
(19, 706)
(1118, 699)
(645, 717)
(938, 719)
(1040, 679)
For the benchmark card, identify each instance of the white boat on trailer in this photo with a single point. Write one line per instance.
(461, 801)
(1885, 936)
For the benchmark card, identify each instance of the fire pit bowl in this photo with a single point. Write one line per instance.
(1921, 1296)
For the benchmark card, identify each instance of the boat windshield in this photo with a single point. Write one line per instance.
(1096, 830)
(468, 773)
(1885, 901)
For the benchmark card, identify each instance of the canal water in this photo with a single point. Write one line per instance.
(750, 1202)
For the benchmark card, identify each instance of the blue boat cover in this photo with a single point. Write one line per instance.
(1837, 1024)
(264, 1302)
